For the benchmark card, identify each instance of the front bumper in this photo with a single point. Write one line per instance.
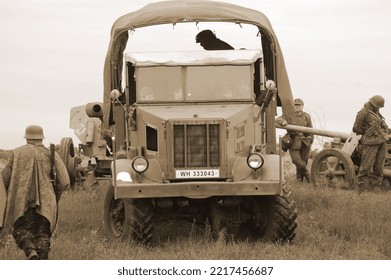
(197, 189)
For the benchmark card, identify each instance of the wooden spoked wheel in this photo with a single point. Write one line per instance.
(333, 168)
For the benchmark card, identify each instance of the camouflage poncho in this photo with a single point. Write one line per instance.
(27, 180)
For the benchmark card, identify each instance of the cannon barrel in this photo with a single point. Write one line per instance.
(315, 131)
(94, 110)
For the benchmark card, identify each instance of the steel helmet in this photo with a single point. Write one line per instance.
(298, 101)
(377, 101)
(34, 132)
(286, 142)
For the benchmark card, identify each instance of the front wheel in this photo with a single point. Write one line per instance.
(274, 218)
(141, 226)
(127, 218)
(116, 218)
(269, 218)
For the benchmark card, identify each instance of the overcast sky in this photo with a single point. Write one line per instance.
(337, 53)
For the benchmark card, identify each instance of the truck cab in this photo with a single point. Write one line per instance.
(194, 117)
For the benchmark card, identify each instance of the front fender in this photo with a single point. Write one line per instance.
(270, 171)
(153, 174)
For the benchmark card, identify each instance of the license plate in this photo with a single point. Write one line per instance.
(197, 173)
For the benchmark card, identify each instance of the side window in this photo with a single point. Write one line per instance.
(151, 135)
(257, 77)
(131, 83)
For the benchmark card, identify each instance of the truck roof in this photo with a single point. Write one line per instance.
(174, 12)
(225, 57)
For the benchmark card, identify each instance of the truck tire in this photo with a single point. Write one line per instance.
(275, 217)
(269, 218)
(141, 225)
(127, 219)
(116, 218)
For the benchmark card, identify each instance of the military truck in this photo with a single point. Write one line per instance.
(192, 132)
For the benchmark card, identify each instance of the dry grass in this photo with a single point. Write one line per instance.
(332, 225)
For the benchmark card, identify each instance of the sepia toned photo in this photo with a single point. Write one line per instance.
(195, 130)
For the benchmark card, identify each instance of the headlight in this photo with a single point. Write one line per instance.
(255, 161)
(140, 164)
(124, 176)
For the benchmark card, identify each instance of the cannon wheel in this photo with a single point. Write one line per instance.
(333, 168)
(67, 154)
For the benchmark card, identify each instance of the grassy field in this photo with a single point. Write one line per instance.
(332, 225)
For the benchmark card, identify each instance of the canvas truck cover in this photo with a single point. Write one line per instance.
(172, 12)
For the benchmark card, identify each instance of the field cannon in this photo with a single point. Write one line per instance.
(86, 121)
(337, 166)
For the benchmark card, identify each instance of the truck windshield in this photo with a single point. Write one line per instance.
(194, 83)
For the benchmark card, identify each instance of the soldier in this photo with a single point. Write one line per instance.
(300, 147)
(372, 146)
(32, 197)
(208, 41)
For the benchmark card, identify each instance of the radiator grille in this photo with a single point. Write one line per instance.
(196, 145)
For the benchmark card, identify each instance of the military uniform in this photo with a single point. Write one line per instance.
(301, 143)
(31, 210)
(372, 146)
